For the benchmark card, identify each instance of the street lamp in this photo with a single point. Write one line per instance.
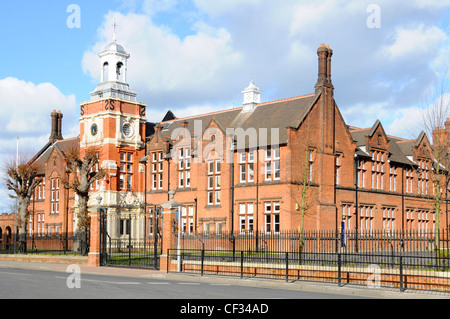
(171, 204)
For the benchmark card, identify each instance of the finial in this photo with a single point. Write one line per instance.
(115, 25)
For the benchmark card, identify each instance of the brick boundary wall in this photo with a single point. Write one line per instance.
(427, 280)
(57, 259)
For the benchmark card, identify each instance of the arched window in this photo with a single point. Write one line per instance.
(119, 71)
(105, 72)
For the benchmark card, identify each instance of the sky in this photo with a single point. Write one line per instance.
(196, 56)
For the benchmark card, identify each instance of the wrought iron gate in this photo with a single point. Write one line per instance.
(127, 249)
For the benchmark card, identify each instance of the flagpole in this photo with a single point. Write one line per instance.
(17, 153)
(17, 203)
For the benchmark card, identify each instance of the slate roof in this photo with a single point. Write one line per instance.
(61, 146)
(280, 114)
(399, 148)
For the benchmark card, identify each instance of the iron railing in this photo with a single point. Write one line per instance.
(400, 259)
(60, 244)
(399, 271)
(322, 241)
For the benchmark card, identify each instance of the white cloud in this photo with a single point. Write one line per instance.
(433, 4)
(162, 63)
(224, 43)
(406, 123)
(26, 109)
(415, 41)
(221, 7)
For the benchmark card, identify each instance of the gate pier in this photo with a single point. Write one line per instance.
(169, 229)
(95, 245)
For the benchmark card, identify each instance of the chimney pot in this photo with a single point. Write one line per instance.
(324, 78)
(56, 126)
(59, 127)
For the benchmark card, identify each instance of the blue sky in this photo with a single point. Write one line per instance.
(195, 56)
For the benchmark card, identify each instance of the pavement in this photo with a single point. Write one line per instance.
(317, 287)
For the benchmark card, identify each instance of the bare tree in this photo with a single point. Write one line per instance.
(435, 112)
(302, 194)
(83, 176)
(22, 178)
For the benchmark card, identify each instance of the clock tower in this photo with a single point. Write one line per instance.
(114, 123)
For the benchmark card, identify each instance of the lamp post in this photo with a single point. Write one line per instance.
(129, 200)
(171, 204)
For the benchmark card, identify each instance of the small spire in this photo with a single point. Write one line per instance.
(115, 25)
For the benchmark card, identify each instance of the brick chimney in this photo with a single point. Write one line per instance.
(59, 127)
(441, 136)
(55, 134)
(324, 79)
(326, 158)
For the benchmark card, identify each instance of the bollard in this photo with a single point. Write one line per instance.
(287, 266)
(203, 259)
(339, 269)
(402, 288)
(242, 264)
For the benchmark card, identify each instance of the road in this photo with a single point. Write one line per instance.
(16, 283)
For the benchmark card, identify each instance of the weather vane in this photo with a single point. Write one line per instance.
(115, 25)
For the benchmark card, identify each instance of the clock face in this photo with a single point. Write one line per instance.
(94, 129)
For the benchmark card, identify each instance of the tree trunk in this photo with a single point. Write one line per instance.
(22, 225)
(83, 224)
(84, 242)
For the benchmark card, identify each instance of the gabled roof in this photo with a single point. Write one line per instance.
(169, 116)
(280, 114)
(396, 153)
(62, 146)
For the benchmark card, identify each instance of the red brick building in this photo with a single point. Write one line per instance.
(239, 169)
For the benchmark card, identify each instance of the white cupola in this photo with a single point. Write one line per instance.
(252, 97)
(113, 78)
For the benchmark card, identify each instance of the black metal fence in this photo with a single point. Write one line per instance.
(322, 241)
(401, 260)
(372, 270)
(61, 244)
